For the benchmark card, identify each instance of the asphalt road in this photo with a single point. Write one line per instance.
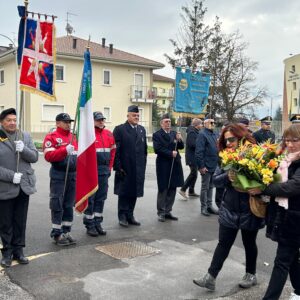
(163, 257)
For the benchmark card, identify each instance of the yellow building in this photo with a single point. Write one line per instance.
(291, 91)
(119, 79)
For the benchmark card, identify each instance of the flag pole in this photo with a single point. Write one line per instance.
(74, 128)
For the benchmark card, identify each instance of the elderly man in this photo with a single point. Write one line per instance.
(169, 174)
(206, 155)
(106, 150)
(130, 165)
(60, 146)
(264, 133)
(17, 183)
(192, 133)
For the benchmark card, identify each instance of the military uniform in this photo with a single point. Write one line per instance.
(106, 150)
(263, 135)
(61, 201)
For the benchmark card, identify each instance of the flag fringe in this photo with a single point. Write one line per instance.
(32, 90)
(84, 198)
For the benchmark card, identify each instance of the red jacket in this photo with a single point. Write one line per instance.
(106, 149)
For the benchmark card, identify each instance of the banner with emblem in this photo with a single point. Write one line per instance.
(191, 91)
(37, 56)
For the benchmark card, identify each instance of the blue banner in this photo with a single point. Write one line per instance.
(191, 91)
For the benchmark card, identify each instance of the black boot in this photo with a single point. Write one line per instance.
(91, 231)
(100, 230)
(19, 256)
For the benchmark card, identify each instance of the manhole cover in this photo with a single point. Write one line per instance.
(127, 249)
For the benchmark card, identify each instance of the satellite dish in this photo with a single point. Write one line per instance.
(69, 29)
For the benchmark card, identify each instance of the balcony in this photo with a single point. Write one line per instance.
(141, 94)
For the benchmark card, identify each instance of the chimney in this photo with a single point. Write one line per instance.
(103, 42)
(111, 48)
(74, 43)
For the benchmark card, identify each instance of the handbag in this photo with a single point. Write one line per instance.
(258, 207)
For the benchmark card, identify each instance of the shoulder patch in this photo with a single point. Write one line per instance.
(59, 140)
(48, 144)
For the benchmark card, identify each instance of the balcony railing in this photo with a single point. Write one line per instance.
(140, 93)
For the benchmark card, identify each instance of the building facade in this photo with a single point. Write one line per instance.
(119, 79)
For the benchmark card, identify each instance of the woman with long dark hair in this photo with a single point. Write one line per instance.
(283, 218)
(234, 215)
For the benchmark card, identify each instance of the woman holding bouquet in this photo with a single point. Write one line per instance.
(234, 215)
(283, 217)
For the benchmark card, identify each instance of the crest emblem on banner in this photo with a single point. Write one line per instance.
(37, 73)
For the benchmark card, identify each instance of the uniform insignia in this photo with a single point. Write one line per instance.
(48, 144)
(59, 140)
(3, 136)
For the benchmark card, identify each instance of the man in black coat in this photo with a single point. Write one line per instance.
(206, 155)
(192, 133)
(130, 165)
(166, 143)
(265, 133)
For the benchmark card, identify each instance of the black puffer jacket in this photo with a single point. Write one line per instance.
(284, 225)
(235, 209)
(191, 137)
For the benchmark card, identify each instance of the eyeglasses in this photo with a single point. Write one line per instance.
(294, 140)
(212, 123)
(230, 139)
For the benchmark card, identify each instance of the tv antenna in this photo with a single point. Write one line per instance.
(69, 28)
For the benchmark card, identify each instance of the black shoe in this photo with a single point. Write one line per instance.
(71, 240)
(92, 232)
(204, 212)
(133, 221)
(6, 262)
(21, 259)
(123, 223)
(193, 195)
(171, 217)
(212, 211)
(61, 240)
(161, 218)
(100, 230)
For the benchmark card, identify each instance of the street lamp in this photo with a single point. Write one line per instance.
(16, 65)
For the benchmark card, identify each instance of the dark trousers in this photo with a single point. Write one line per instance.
(126, 207)
(287, 261)
(226, 239)
(206, 190)
(165, 201)
(62, 207)
(191, 180)
(13, 217)
(93, 214)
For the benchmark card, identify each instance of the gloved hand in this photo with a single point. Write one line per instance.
(70, 148)
(17, 178)
(19, 146)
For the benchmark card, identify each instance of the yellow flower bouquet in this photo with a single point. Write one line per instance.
(253, 164)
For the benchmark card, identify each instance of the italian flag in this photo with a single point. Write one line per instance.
(87, 172)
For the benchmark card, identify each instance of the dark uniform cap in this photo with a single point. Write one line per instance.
(267, 119)
(133, 108)
(295, 118)
(98, 116)
(9, 111)
(244, 121)
(63, 117)
(165, 116)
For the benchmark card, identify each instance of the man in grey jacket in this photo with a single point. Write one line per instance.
(17, 182)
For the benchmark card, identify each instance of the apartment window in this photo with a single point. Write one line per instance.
(60, 72)
(164, 102)
(295, 102)
(106, 77)
(138, 83)
(171, 92)
(293, 68)
(50, 111)
(2, 76)
(294, 86)
(107, 113)
(141, 112)
(163, 90)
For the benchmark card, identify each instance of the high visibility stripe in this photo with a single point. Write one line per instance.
(89, 217)
(98, 214)
(103, 150)
(56, 226)
(65, 223)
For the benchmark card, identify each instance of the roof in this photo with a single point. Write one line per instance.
(157, 77)
(64, 46)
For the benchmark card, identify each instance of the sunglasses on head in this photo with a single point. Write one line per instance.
(231, 139)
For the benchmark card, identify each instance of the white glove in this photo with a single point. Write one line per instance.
(19, 146)
(70, 148)
(17, 178)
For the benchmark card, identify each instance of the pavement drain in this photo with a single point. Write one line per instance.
(127, 249)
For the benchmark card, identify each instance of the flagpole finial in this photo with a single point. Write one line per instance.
(88, 45)
(26, 2)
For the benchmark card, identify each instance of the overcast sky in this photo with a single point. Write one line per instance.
(144, 27)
